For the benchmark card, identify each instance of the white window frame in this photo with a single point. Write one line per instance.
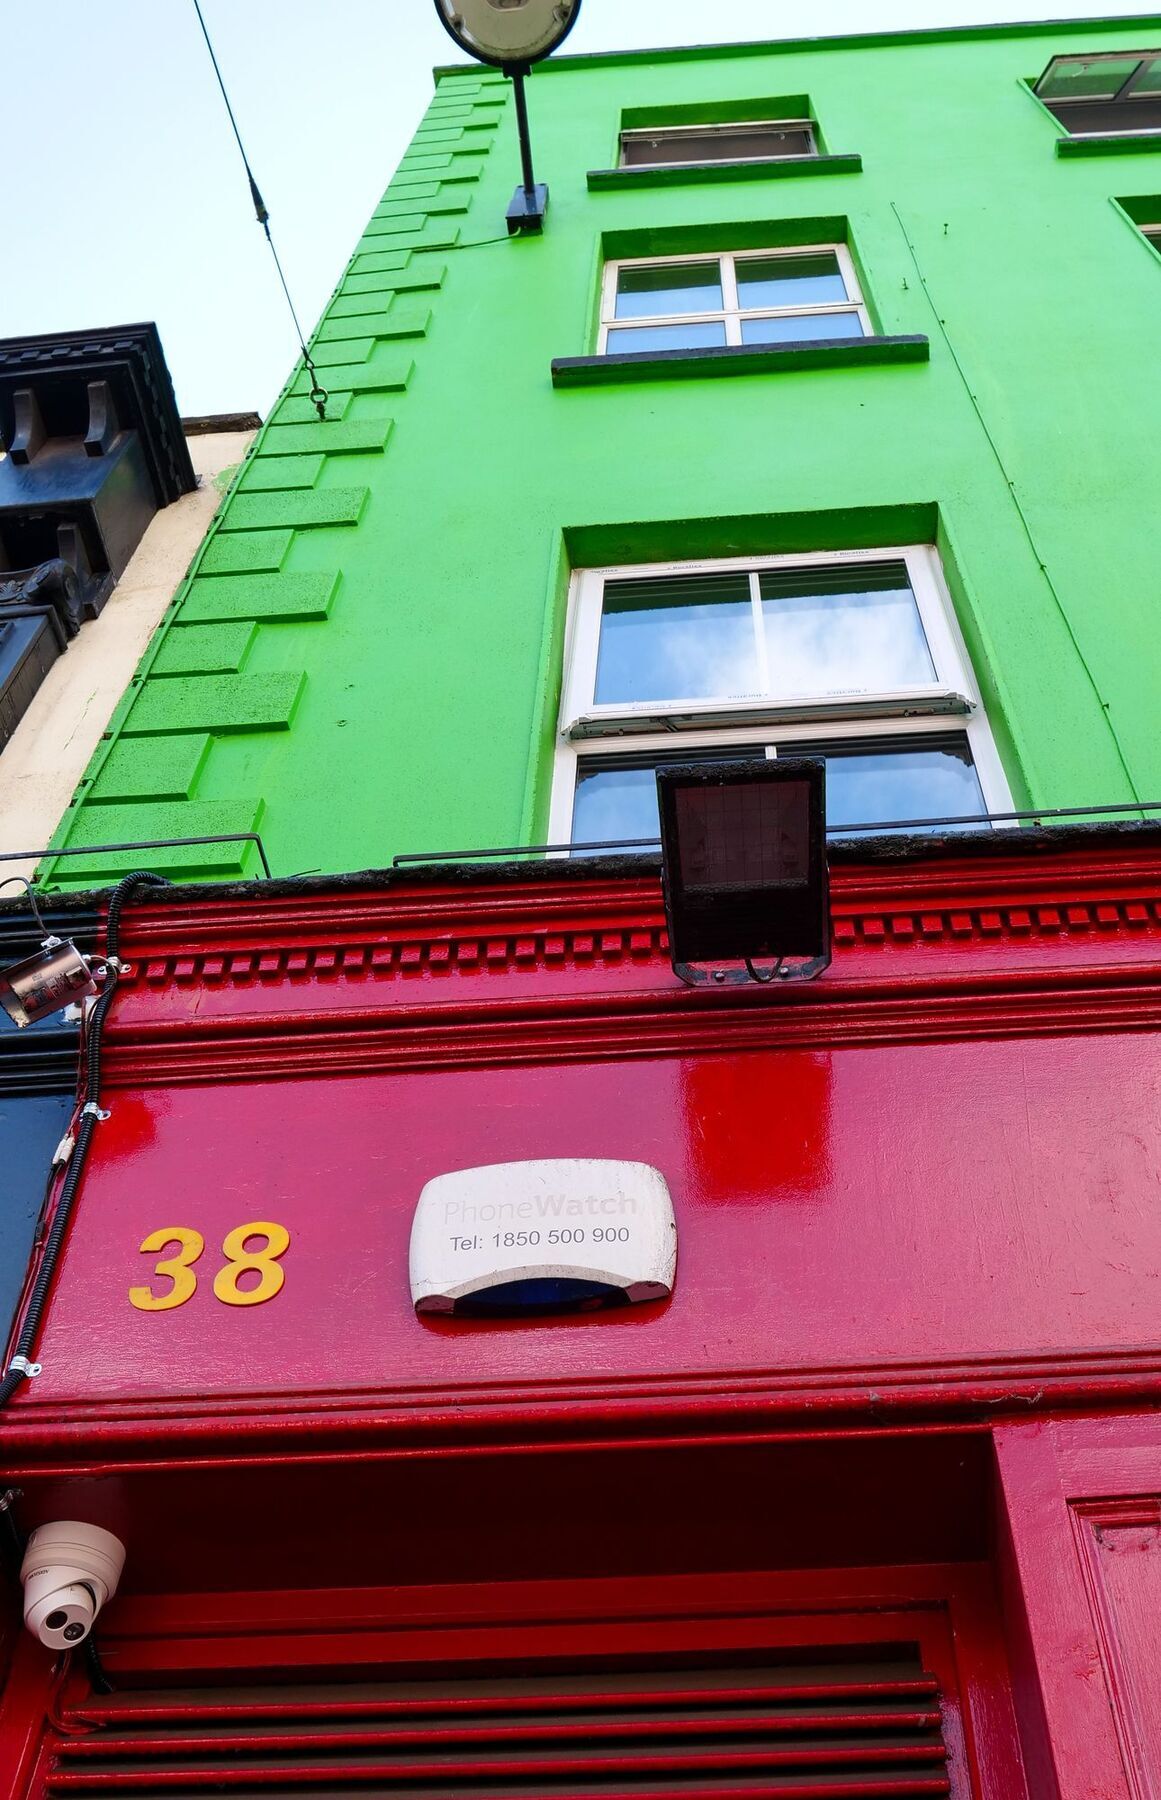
(719, 127)
(1125, 93)
(731, 313)
(950, 703)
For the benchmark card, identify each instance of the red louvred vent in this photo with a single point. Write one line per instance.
(864, 1722)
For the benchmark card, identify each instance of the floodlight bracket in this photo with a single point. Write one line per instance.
(695, 975)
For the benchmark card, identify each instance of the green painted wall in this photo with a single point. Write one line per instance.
(366, 659)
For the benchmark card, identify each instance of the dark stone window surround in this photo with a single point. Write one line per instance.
(95, 448)
(736, 359)
(690, 174)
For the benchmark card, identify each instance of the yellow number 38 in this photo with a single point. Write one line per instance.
(178, 1269)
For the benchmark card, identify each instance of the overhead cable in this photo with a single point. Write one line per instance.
(318, 393)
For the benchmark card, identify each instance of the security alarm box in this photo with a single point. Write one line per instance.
(561, 1235)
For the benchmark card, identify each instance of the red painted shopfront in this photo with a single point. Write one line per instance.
(871, 1505)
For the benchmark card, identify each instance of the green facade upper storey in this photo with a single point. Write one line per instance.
(821, 418)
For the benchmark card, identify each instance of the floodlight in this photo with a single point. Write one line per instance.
(52, 978)
(512, 35)
(743, 849)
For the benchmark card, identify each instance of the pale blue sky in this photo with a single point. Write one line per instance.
(123, 197)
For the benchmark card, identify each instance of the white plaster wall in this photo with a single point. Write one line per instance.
(51, 747)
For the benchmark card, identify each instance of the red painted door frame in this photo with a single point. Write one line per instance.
(1076, 1492)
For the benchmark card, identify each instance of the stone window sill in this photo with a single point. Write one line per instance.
(1132, 143)
(683, 174)
(736, 359)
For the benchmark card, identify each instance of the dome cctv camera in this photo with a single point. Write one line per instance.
(69, 1571)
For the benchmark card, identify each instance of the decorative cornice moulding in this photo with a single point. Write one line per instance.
(718, 1405)
(358, 978)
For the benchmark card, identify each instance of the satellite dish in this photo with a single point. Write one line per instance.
(509, 33)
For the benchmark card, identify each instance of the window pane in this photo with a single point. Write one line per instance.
(681, 637)
(846, 630)
(797, 328)
(650, 293)
(1149, 81)
(739, 144)
(617, 800)
(1103, 118)
(614, 803)
(694, 334)
(790, 280)
(869, 785)
(1075, 78)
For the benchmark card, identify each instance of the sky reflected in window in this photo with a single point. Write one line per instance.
(852, 630)
(865, 785)
(799, 328)
(647, 293)
(677, 638)
(692, 334)
(790, 281)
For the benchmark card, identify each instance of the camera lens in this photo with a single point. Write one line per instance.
(73, 1632)
(56, 1619)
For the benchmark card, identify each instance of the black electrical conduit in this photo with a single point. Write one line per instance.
(88, 1096)
(98, 1679)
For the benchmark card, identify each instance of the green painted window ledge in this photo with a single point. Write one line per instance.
(682, 174)
(736, 359)
(1109, 146)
